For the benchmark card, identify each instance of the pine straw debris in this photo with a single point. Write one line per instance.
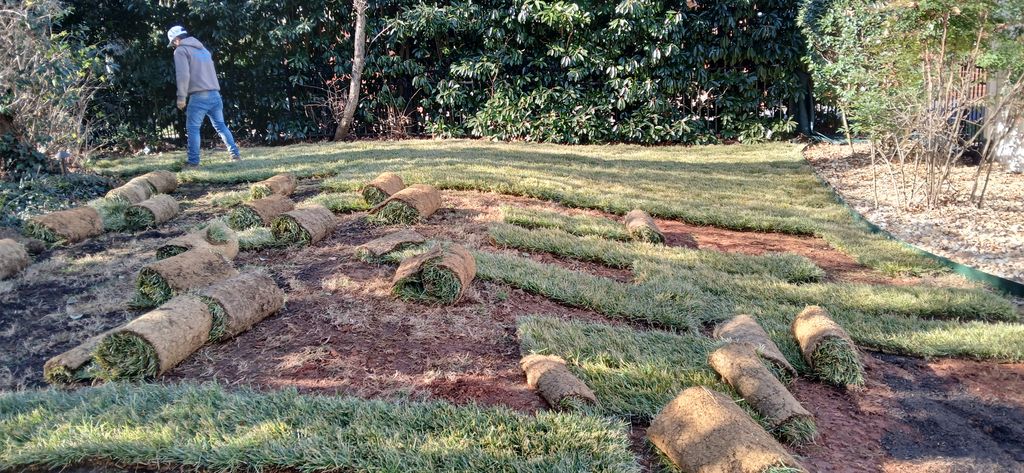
(438, 276)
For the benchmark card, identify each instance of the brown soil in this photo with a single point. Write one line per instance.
(342, 332)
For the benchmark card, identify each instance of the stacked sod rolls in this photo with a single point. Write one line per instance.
(240, 302)
(703, 431)
(215, 237)
(827, 348)
(133, 192)
(153, 211)
(13, 258)
(75, 365)
(374, 251)
(281, 184)
(155, 342)
(382, 187)
(65, 226)
(407, 206)
(554, 382)
(259, 212)
(303, 226)
(441, 275)
(641, 227)
(157, 282)
(743, 328)
(741, 367)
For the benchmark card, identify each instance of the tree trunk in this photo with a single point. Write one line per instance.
(357, 71)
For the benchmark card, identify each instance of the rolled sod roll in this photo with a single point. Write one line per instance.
(66, 226)
(374, 250)
(740, 366)
(703, 431)
(134, 191)
(13, 258)
(259, 212)
(554, 382)
(240, 302)
(304, 226)
(641, 227)
(281, 184)
(164, 279)
(384, 186)
(215, 237)
(164, 182)
(152, 212)
(155, 342)
(827, 348)
(74, 365)
(407, 206)
(440, 275)
(743, 328)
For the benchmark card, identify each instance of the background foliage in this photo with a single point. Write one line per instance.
(643, 71)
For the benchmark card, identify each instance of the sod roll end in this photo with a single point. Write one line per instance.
(705, 431)
(641, 227)
(65, 226)
(440, 275)
(72, 366)
(13, 258)
(281, 184)
(259, 212)
(156, 341)
(382, 187)
(549, 376)
(741, 367)
(407, 206)
(195, 268)
(374, 250)
(216, 237)
(304, 226)
(744, 328)
(152, 212)
(244, 300)
(827, 348)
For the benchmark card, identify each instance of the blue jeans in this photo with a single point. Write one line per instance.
(206, 104)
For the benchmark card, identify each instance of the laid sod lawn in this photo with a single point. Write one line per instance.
(757, 187)
(206, 427)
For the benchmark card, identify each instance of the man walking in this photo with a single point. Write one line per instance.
(197, 82)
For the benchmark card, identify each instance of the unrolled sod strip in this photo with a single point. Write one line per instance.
(281, 184)
(304, 226)
(440, 275)
(703, 431)
(384, 186)
(407, 206)
(240, 302)
(164, 182)
(155, 342)
(195, 268)
(74, 365)
(743, 328)
(740, 366)
(641, 227)
(215, 237)
(152, 212)
(373, 251)
(259, 212)
(134, 191)
(65, 226)
(827, 348)
(554, 382)
(13, 258)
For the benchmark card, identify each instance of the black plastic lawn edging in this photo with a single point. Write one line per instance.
(1007, 286)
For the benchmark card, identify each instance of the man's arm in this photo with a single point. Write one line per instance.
(181, 72)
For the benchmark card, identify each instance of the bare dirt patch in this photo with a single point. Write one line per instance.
(990, 238)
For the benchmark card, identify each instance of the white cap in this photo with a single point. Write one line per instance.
(174, 32)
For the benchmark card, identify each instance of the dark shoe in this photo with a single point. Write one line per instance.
(236, 157)
(189, 166)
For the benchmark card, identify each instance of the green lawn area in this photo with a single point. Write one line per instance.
(208, 428)
(746, 187)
